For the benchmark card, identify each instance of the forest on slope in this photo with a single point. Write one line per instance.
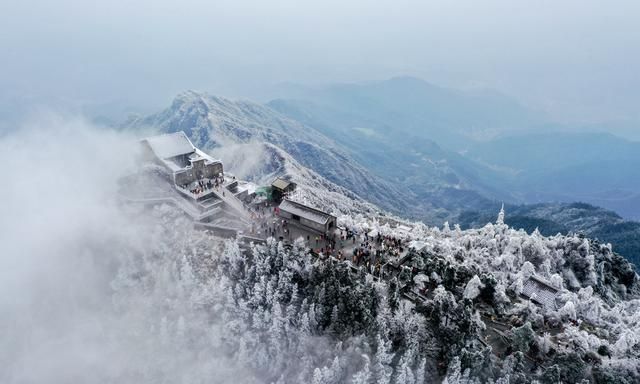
(287, 314)
(114, 292)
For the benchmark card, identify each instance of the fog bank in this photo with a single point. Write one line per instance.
(85, 283)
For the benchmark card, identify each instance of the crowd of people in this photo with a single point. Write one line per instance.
(267, 224)
(361, 249)
(278, 228)
(204, 184)
(373, 252)
(344, 244)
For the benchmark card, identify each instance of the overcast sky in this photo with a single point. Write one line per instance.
(578, 59)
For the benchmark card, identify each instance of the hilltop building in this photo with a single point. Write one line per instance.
(540, 292)
(173, 171)
(281, 187)
(307, 217)
(196, 182)
(185, 162)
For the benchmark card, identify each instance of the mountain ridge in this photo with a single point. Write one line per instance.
(214, 122)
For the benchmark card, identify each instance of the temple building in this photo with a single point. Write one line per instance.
(307, 217)
(281, 187)
(185, 162)
(540, 292)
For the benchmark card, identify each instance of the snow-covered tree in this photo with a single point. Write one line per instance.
(472, 290)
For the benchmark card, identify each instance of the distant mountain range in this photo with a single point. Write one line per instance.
(490, 143)
(366, 141)
(408, 107)
(597, 168)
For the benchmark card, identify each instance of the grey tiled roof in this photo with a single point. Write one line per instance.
(540, 291)
(302, 210)
(281, 184)
(170, 145)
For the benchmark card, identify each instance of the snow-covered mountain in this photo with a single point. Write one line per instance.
(114, 292)
(261, 163)
(213, 122)
(419, 179)
(258, 143)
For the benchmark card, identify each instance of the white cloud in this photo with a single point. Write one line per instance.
(65, 315)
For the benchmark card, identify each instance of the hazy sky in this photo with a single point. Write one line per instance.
(578, 59)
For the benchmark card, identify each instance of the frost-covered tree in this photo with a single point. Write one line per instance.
(383, 358)
(364, 375)
(472, 290)
(523, 337)
(284, 315)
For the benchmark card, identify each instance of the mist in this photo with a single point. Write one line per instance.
(96, 290)
(575, 60)
(86, 283)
